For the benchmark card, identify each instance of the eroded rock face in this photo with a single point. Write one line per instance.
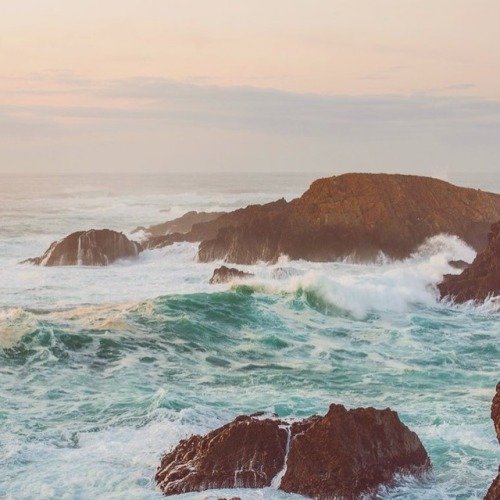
(225, 274)
(494, 490)
(355, 215)
(97, 247)
(207, 230)
(481, 278)
(344, 453)
(348, 452)
(246, 453)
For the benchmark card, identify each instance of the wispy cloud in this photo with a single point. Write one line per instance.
(370, 127)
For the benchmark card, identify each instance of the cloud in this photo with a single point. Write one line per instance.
(151, 112)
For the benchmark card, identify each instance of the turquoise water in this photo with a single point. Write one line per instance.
(103, 370)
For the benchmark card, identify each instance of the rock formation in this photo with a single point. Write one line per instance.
(246, 453)
(207, 230)
(182, 225)
(494, 491)
(97, 247)
(225, 274)
(356, 215)
(481, 278)
(344, 453)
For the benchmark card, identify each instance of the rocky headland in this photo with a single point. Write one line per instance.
(350, 215)
(494, 490)
(343, 454)
(481, 279)
(357, 216)
(96, 247)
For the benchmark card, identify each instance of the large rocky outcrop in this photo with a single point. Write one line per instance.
(481, 278)
(344, 453)
(97, 247)
(356, 215)
(494, 490)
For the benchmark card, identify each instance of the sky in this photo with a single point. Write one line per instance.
(327, 86)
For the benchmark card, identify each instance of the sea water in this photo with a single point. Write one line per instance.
(104, 369)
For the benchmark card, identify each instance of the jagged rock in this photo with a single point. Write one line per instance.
(344, 453)
(494, 490)
(481, 278)
(182, 225)
(348, 452)
(246, 453)
(97, 247)
(207, 230)
(357, 216)
(225, 274)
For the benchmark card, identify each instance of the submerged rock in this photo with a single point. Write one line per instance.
(344, 453)
(97, 247)
(357, 216)
(225, 274)
(494, 490)
(481, 279)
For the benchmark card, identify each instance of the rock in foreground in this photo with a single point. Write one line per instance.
(494, 491)
(97, 247)
(225, 274)
(481, 278)
(344, 453)
(357, 216)
(246, 453)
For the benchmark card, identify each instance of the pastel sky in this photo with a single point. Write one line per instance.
(225, 85)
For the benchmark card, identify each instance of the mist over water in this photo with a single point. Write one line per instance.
(104, 369)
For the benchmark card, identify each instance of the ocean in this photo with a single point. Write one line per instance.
(103, 370)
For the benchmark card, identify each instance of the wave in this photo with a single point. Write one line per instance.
(359, 289)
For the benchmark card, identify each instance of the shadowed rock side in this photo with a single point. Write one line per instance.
(344, 453)
(246, 453)
(481, 278)
(182, 225)
(494, 491)
(355, 215)
(348, 452)
(207, 230)
(225, 274)
(97, 247)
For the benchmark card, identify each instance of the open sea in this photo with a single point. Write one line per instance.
(103, 370)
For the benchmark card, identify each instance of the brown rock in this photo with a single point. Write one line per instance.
(207, 230)
(481, 278)
(494, 490)
(246, 453)
(97, 247)
(495, 411)
(356, 215)
(348, 452)
(343, 453)
(225, 274)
